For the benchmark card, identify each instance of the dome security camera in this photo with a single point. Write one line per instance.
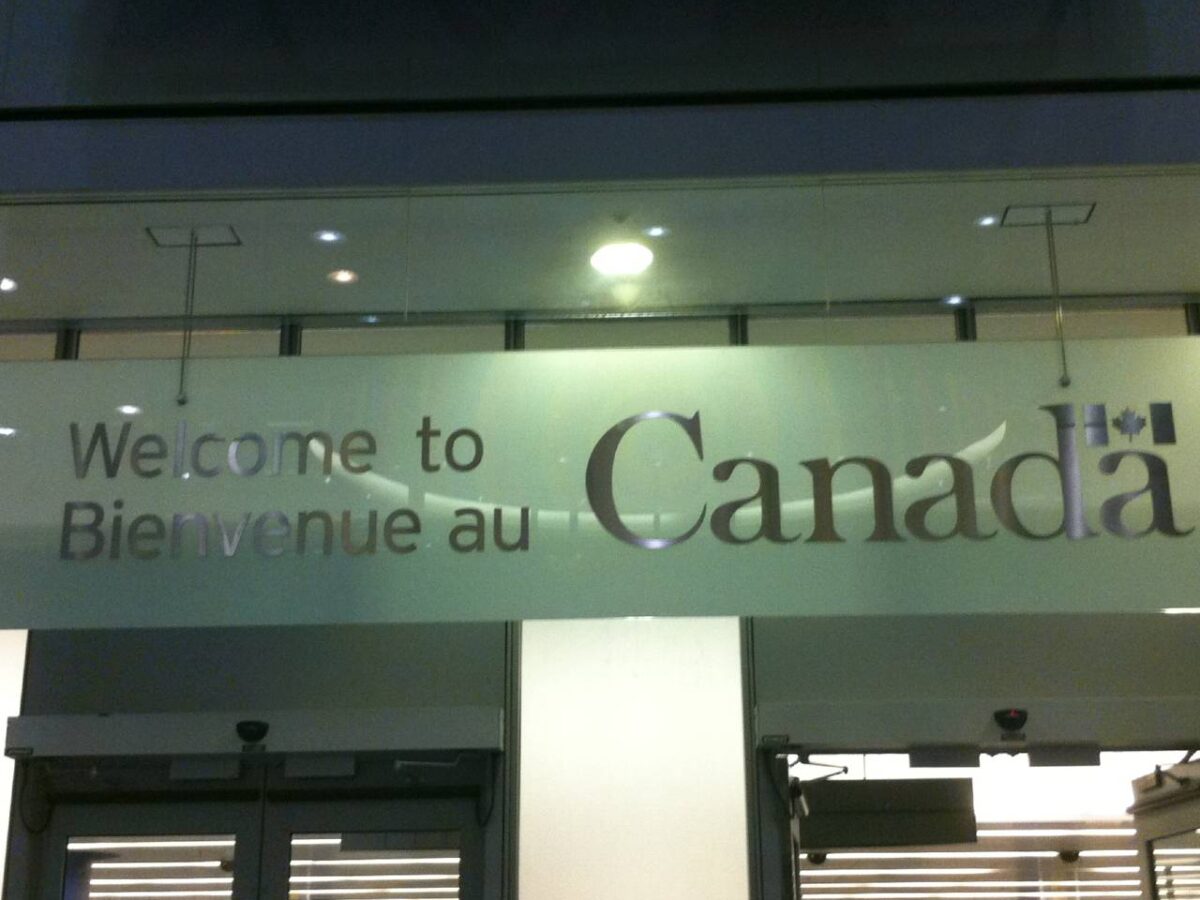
(252, 731)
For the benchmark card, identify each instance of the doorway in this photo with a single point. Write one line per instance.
(275, 827)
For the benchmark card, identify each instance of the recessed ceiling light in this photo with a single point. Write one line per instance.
(5, 431)
(328, 236)
(342, 276)
(624, 258)
(129, 409)
(8, 285)
(987, 221)
(953, 300)
(657, 231)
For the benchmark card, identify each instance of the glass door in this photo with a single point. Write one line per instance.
(382, 849)
(200, 850)
(342, 828)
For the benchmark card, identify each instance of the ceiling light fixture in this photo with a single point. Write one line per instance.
(657, 231)
(130, 410)
(342, 276)
(5, 431)
(623, 258)
(328, 236)
(953, 300)
(8, 285)
(987, 221)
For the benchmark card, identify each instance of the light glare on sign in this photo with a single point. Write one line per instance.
(625, 258)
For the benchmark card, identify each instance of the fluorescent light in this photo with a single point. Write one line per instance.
(200, 863)
(953, 300)
(129, 409)
(5, 431)
(837, 873)
(343, 276)
(624, 258)
(328, 236)
(987, 221)
(980, 854)
(147, 845)
(399, 861)
(1182, 610)
(949, 854)
(306, 892)
(228, 879)
(1056, 832)
(296, 879)
(657, 231)
(7, 285)
(317, 842)
(385, 892)
(1124, 882)
(160, 893)
(963, 895)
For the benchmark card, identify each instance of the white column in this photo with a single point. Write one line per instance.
(12, 680)
(632, 774)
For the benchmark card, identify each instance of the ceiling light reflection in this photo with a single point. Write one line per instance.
(624, 258)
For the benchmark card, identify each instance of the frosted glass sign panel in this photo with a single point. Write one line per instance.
(760, 481)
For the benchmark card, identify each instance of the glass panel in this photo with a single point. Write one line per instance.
(387, 341)
(1177, 866)
(996, 322)
(914, 329)
(131, 868)
(717, 244)
(27, 346)
(1043, 831)
(168, 344)
(375, 866)
(611, 334)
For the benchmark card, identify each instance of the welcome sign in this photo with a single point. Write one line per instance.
(823, 481)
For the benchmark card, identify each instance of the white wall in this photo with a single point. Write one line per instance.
(12, 675)
(632, 778)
